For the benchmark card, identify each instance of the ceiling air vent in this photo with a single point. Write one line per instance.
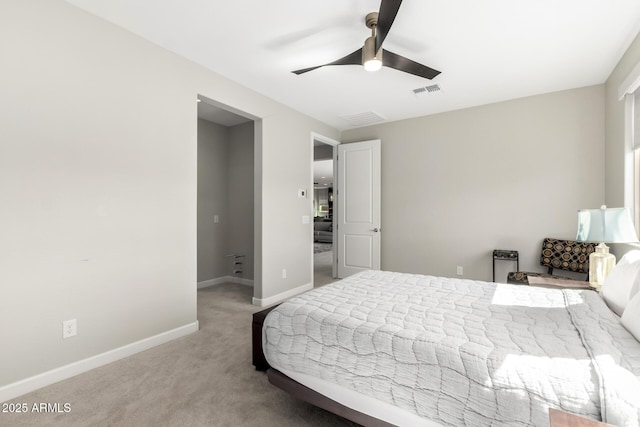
(363, 119)
(426, 90)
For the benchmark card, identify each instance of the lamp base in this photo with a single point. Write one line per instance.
(601, 262)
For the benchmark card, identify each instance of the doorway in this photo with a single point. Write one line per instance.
(323, 248)
(323, 202)
(353, 213)
(225, 215)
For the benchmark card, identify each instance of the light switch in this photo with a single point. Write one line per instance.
(306, 219)
(216, 219)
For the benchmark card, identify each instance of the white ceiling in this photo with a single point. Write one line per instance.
(488, 51)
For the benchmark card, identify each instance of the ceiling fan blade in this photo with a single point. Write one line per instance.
(386, 16)
(401, 63)
(354, 58)
(304, 70)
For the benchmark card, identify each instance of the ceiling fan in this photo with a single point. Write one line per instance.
(371, 55)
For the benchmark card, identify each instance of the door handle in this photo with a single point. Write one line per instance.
(375, 230)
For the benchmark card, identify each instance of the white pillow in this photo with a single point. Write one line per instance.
(631, 317)
(622, 283)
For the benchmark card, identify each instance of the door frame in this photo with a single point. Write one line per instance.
(334, 143)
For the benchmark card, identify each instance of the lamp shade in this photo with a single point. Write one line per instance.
(606, 225)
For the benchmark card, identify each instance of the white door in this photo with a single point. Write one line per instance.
(358, 219)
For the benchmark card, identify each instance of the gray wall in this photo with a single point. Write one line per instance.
(457, 185)
(213, 199)
(225, 189)
(98, 179)
(241, 206)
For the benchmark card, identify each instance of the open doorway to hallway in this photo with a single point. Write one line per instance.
(323, 208)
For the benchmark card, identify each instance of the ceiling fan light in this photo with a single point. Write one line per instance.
(370, 60)
(373, 65)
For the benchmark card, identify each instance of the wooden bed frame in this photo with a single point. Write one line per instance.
(298, 390)
(305, 394)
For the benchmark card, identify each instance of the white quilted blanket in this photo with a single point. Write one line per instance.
(462, 352)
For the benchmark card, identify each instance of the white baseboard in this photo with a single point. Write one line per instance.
(263, 302)
(13, 390)
(225, 279)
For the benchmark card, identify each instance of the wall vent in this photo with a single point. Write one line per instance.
(363, 119)
(426, 90)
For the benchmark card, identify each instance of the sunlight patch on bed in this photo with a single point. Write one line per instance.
(518, 370)
(520, 295)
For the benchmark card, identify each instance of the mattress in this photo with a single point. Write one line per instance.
(461, 352)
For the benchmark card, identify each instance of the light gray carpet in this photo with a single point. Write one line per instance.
(204, 379)
(323, 268)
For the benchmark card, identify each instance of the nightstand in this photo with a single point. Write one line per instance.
(558, 418)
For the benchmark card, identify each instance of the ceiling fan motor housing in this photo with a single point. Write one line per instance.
(371, 60)
(369, 54)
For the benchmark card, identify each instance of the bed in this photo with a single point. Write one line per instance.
(406, 349)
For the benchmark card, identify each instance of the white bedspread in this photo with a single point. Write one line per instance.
(462, 352)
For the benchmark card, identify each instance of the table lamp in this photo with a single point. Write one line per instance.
(604, 225)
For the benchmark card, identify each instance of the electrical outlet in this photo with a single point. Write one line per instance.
(69, 328)
(459, 270)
